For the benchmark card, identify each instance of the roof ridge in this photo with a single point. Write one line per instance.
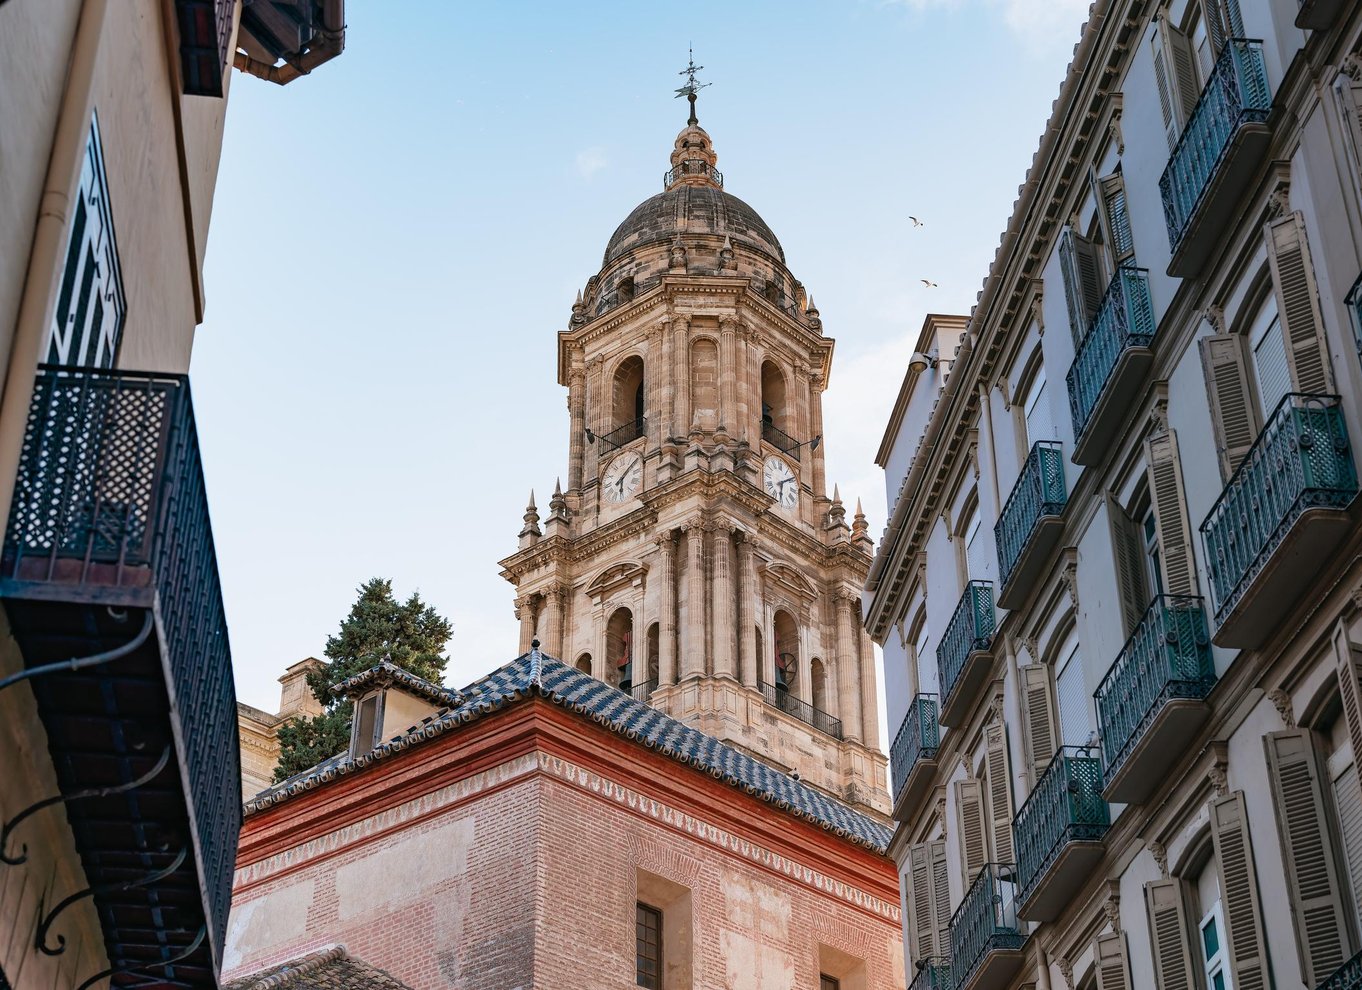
(309, 963)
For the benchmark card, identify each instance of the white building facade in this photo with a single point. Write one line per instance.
(1120, 593)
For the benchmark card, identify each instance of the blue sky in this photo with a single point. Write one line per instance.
(398, 238)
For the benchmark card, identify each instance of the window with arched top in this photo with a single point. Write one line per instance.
(787, 653)
(624, 292)
(619, 649)
(584, 663)
(626, 394)
(818, 684)
(773, 404)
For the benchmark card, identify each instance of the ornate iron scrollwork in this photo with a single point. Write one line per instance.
(183, 954)
(40, 937)
(8, 828)
(80, 663)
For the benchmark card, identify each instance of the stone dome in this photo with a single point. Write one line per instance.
(688, 208)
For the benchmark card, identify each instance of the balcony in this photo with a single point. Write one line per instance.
(1110, 366)
(620, 435)
(964, 655)
(1058, 833)
(986, 940)
(1152, 701)
(1317, 15)
(779, 439)
(1353, 301)
(109, 534)
(1031, 522)
(780, 697)
(912, 758)
(1346, 977)
(934, 973)
(1279, 517)
(643, 691)
(1216, 156)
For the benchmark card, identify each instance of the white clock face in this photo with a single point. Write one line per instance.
(623, 478)
(781, 484)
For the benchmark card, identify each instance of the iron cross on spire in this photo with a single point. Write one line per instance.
(692, 87)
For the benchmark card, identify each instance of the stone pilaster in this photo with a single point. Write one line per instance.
(721, 549)
(749, 664)
(524, 611)
(663, 590)
(728, 374)
(553, 623)
(577, 421)
(693, 652)
(816, 385)
(848, 668)
(652, 384)
(681, 377)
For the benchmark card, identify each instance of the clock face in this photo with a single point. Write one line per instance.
(623, 478)
(781, 484)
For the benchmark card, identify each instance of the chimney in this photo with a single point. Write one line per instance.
(295, 697)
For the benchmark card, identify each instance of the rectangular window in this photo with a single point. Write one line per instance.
(1037, 411)
(826, 982)
(1269, 360)
(976, 547)
(1212, 929)
(1075, 722)
(648, 946)
(1149, 530)
(366, 725)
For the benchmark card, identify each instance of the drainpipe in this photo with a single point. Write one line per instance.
(60, 189)
(328, 42)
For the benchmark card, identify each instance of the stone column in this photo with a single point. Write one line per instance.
(728, 374)
(848, 669)
(553, 624)
(524, 611)
(801, 403)
(747, 389)
(595, 402)
(652, 384)
(870, 708)
(665, 376)
(693, 652)
(768, 639)
(666, 609)
(577, 421)
(816, 385)
(749, 664)
(722, 550)
(681, 377)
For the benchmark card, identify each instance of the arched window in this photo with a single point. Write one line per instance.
(773, 406)
(818, 681)
(619, 649)
(624, 292)
(787, 653)
(584, 663)
(626, 395)
(974, 542)
(653, 652)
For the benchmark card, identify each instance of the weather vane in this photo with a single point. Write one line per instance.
(692, 87)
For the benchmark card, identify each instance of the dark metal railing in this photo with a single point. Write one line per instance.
(971, 629)
(985, 921)
(934, 973)
(917, 739)
(1236, 93)
(1038, 492)
(109, 502)
(692, 166)
(779, 439)
(1125, 319)
(1167, 656)
(1354, 304)
(1300, 461)
(643, 690)
(622, 435)
(780, 697)
(1065, 806)
(1346, 977)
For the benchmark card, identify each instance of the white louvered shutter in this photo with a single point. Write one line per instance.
(1168, 935)
(1239, 893)
(1348, 101)
(1041, 740)
(1308, 853)
(1234, 416)
(1130, 575)
(1347, 793)
(921, 922)
(1349, 670)
(1082, 276)
(1176, 77)
(1118, 218)
(969, 807)
(1170, 514)
(999, 793)
(1293, 277)
(941, 897)
(1109, 955)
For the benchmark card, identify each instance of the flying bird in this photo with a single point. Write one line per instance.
(928, 284)
(916, 221)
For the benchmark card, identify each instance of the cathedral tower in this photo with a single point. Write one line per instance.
(695, 559)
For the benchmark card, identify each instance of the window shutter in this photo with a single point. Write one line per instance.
(1171, 125)
(1109, 952)
(1232, 18)
(1130, 576)
(1168, 933)
(1308, 852)
(1118, 218)
(1170, 514)
(1239, 893)
(1298, 305)
(1234, 416)
(921, 923)
(1082, 280)
(1346, 658)
(969, 805)
(999, 792)
(1348, 98)
(1040, 719)
(941, 897)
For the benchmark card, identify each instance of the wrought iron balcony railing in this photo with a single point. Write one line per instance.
(970, 630)
(1065, 806)
(1354, 304)
(1039, 492)
(692, 166)
(1301, 460)
(985, 921)
(109, 519)
(643, 690)
(1236, 93)
(779, 439)
(934, 973)
(1346, 977)
(1124, 320)
(1168, 656)
(781, 698)
(622, 435)
(917, 739)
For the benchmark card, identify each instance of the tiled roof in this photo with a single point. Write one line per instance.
(326, 969)
(385, 673)
(533, 674)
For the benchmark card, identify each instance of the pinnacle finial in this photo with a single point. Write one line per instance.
(836, 494)
(530, 506)
(692, 88)
(557, 487)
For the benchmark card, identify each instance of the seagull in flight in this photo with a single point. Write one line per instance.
(929, 284)
(916, 221)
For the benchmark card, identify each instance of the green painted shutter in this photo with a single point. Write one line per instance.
(969, 807)
(1170, 514)
(999, 793)
(1109, 956)
(1168, 935)
(1293, 277)
(1309, 854)
(1234, 414)
(1239, 893)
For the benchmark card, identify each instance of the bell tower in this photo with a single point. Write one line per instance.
(695, 559)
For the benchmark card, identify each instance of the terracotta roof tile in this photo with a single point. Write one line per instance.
(326, 969)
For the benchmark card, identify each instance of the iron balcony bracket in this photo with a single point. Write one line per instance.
(40, 937)
(180, 956)
(12, 824)
(80, 663)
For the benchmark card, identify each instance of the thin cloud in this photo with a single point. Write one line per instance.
(590, 161)
(1042, 25)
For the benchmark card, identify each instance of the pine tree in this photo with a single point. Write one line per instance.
(409, 634)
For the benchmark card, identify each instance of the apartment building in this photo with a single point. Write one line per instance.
(119, 794)
(1119, 592)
